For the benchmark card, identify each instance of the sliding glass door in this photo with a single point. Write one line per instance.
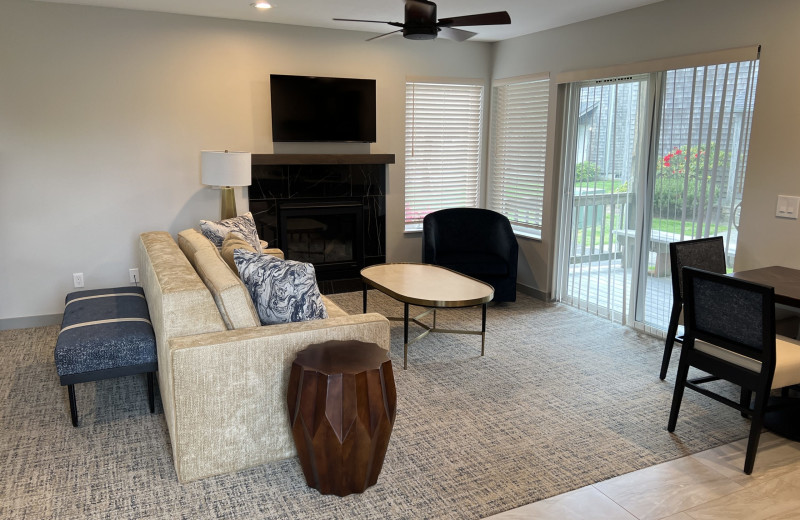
(649, 160)
(698, 169)
(609, 122)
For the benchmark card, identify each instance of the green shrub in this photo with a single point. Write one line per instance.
(586, 171)
(668, 197)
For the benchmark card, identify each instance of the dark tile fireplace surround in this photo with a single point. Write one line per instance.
(327, 209)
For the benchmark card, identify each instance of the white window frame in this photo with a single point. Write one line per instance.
(518, 152)
(440, 153)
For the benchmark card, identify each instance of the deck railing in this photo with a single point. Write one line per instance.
(595, 217)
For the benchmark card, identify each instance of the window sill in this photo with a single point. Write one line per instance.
(528, 234)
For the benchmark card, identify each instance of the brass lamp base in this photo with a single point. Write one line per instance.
(228, 203)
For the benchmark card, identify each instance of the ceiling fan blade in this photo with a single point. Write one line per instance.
(455, 34)
(383, 35)
(496, 18)
(353, 20)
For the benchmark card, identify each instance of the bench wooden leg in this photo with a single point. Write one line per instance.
(151, 394)
(73, 407)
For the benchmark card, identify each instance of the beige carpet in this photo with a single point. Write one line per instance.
(561, 399)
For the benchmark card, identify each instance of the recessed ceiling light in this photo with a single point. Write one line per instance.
(262, 5)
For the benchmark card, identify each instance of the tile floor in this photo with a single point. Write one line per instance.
(707, 485)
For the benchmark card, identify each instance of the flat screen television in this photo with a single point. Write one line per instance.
(317, 109)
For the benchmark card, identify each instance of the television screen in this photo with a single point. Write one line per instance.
(311, 108)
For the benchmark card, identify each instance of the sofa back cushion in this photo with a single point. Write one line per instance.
(231, 243)
(229, 293)
(191, 241)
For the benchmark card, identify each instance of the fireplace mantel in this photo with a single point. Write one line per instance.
(321, 158)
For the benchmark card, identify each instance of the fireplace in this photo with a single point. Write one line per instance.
(328, 235)
(329, 210)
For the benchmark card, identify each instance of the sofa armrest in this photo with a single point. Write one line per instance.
(229, 390)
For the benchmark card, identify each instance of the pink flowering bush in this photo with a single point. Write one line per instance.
(671, 179)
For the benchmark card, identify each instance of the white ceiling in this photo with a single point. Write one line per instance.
(527, 16)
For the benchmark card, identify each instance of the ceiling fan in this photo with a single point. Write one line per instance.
(421, 23)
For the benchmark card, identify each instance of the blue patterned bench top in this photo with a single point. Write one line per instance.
(104, 329)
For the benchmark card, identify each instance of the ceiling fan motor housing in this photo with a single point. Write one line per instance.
(420, 20)
(420, 33)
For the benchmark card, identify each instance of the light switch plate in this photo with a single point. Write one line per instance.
(788, 207)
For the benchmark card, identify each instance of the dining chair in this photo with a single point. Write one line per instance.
(703, 253)
(730, 335)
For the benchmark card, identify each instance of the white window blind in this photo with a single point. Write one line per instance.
(517, 153)
(442, 162)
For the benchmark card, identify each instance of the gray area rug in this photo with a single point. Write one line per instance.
(561, 399)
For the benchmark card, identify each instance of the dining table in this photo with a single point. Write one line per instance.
(785, 281)
(785, 420)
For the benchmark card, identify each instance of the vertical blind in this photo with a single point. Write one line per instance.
(701, 157)
(442, 161)
(517, 153)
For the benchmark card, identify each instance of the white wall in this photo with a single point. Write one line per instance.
(103, 113)
(676, 28)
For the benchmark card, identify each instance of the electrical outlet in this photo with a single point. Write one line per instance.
(133, 274)
(77, 279)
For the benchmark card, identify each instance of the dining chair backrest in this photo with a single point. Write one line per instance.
(703, 253)
(730, 313)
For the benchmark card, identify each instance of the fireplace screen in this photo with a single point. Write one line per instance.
(322, 235)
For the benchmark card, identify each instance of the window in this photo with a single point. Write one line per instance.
(517, 153)
(443, 136)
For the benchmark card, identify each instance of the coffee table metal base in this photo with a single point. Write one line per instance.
(429, 328)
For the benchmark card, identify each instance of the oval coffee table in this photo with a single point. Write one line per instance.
(431, 286)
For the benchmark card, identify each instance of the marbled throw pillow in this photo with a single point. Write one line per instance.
(282, 290)
(216, 231)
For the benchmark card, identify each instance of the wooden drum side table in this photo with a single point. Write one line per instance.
(342, 405)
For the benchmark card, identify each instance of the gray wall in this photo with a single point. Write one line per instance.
(676, 28)
(103, 113)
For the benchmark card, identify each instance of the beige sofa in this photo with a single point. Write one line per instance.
(222, 376)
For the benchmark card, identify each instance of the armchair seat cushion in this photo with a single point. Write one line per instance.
(475, 263)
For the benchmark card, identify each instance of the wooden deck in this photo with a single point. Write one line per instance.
(602, 287)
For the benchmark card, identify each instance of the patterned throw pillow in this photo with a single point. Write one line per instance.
(216, 231)
(282, 290)
(231, 243)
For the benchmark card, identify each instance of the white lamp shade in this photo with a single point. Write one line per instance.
(225, 168)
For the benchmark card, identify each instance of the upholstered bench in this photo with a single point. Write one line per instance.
(105, 333)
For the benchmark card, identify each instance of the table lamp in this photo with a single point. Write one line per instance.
(226, 169)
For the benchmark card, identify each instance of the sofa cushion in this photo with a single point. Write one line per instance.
(476, 264)
(191, 241)
(231, 243)
(333, 310)
(283, 290)
(229, 293)
(216, 231)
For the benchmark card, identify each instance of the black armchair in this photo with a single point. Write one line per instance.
(475, 242)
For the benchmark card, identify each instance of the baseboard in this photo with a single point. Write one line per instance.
(30, 321)
(536, 293)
